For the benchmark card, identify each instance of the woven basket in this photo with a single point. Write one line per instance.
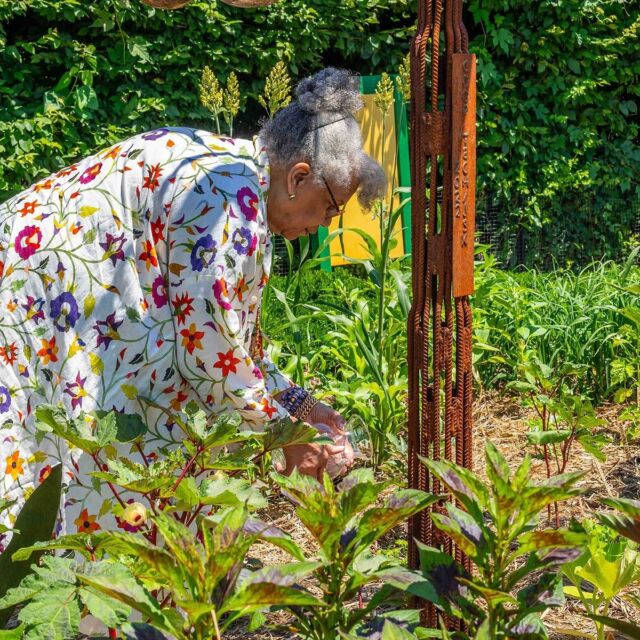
(166, 4)
(176, 4)
(248, 4)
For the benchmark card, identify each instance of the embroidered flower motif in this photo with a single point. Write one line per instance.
(76, 390)
(28, 241)
(182, 307)
(28, 208)
(244, 242)
(45, 472)
(248, 202)
(8, 353)
(107, 330)
(226, 362)
(86, 523)
(112, 246)
(268, 408)
(159, 292)
(5, 399)
(64, 311)
(191, 338)
(221, 293)
(154, 135)
(91, 173)
(34, 309)
(157, 230)
(149, 256)
(48, 352)
(14, 465)
(151, 180)
(203, 253)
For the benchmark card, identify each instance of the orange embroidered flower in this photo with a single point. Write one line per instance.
(28, 208)
(241, 288)
(226, 362)
(49, 351)
(8, 353)
(14, 465)
(85, 522)
(182, 307)
(149, 256)
(269, 409)
(113, 152)
(176, 403)
(43, 185)
(151, 181)
(191, 338)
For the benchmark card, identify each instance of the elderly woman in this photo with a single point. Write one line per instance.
(132, 280)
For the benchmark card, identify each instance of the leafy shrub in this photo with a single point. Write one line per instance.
(495, 525)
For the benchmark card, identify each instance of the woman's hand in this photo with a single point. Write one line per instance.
(313, 459)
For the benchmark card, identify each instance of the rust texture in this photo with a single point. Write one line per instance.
(442, 150)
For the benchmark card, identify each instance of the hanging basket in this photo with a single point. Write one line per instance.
(249, 4)
(176, 4)
(166, 4)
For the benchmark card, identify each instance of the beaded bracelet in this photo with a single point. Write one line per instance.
(297, 401)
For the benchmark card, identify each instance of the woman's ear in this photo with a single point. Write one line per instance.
(298, 175)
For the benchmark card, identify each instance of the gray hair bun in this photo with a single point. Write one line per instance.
(330, 90)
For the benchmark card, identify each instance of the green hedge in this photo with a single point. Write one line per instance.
(558, 82)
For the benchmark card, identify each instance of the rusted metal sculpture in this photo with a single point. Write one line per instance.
(443, 220)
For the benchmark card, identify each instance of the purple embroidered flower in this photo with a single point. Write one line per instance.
(91, 173)
(203, 253)
(33, 307)
(159, 291)
(5, 399)
(244, 242)
(76, 391)
(107, 330)
(113, 246)
(28, 241)
(248, 202)
(154, 135)
(64, 311)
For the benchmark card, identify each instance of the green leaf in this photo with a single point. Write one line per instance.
(34, 524)
(286, 432)
(628, 628)
(548, 437)
(54, 613)
(230, 491)
(129, 427)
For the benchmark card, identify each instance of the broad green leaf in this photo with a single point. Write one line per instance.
(230, 491)
(286, 432)
(129, 427)
(34, 524)
(84, 433)
(53, 614)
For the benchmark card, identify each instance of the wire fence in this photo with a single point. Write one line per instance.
(557, 243)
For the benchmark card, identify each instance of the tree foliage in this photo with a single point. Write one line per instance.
(558, 89)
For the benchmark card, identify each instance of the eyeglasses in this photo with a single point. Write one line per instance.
(334, 202)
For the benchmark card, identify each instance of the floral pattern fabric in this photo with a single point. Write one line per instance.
(131, 281)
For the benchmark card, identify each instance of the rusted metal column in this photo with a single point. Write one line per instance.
(442, 148)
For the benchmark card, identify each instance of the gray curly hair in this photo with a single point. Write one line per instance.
(318, 127)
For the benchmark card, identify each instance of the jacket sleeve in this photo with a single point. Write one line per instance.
(217, 239)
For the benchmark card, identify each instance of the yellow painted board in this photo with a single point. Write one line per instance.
(380, 143)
